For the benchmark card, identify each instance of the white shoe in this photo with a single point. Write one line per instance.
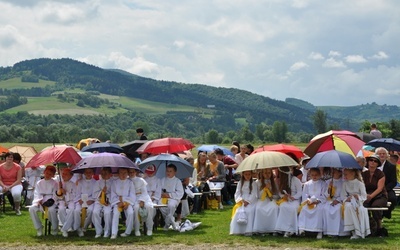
(302, 233)
(113, 237)
(137, 233)
(39, 232)
(64, 234)
(220, 206)
(149, 233)
(97, 236)
(287, 234)
(54, 233)
(319, 236)
(354, 237)
(106, 236)
(124, 235)
(80, 232)
(18, 212)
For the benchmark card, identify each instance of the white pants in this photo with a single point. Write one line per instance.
(149, 220)
(66, 215)
(77, 216)
(105, 211)
(63, 209)
(15, 192)
(52, 215)
(115, 220)
(169, 211)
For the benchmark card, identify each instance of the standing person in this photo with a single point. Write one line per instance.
(45, 197)
(141, 135)
(390, 178)
(102, 196)
(374, 180)
(333, 220)
(290, 189)
(172, 192)
(375, 132)
(10, 180)
(143, 206)
(312, 208)
(266, 211)
(353, 195)
(66, 206)
(122, 198)
(245, 198)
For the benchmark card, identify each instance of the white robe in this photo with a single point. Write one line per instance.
(100, 209)
(243, 194)
(66, 204)
(153, 188)
(142, 195)
(84, 188)
(311, 219)
(266, 212)
(287, 218)
(173, 186)
(355, 214)
(333, 221)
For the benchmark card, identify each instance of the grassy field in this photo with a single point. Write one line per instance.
(214, 230)
(15, 83)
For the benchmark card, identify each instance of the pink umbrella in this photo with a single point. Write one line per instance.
(165, 145)
(61, 154)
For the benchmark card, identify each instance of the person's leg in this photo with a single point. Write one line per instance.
(96, 218)
(16, 193)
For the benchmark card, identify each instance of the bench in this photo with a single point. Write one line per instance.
(380, 208)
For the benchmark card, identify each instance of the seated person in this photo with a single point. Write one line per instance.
(10, 180)
(172, 192)
(66, 201)
(44, 196)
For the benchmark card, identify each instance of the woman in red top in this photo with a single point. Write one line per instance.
(10, 180)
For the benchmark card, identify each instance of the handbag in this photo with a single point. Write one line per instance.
(48, 203)
(241, 216)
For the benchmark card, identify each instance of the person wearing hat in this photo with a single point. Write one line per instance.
(153, 184)
(374, 180)
(140, 133)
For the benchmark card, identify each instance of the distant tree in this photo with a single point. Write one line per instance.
(212, 137)
(395, 129)
(117, 136)
(279, 130)
(319, 119)
(80, 103)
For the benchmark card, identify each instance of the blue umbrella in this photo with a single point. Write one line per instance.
(184, 169)
(102, 147)
(389, 143)
(210, 148)
(334, 159)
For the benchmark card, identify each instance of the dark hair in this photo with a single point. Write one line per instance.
(107, 169)
(219, 151)
(396, 157)
(7, 154)
(250, 147)
(139, 130)
(373, 125)
(172, 166)
(17, 157)
(236, 143)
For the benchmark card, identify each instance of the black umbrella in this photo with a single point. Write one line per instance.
(131, 147)
(103, 147)
(389, 143)
(365, 137)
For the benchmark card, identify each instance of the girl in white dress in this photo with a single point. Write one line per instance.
(333, 220)
(355, 214)
(266, 212)
(246, 196)
(290, 189)
(312, 208)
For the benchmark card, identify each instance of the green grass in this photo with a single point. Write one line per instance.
(214, 230)
(15, 83)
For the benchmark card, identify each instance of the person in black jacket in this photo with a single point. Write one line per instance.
(140, 133)
(391, 181)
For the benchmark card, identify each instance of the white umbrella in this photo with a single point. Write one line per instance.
(266, 159)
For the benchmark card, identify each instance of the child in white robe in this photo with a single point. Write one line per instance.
(312, 207)
(45, 191)
(354, 194)
(143, 202)
(245, 198)
(153, 185)
(102, 206)
(122, 198)
(333, 221)
(66, 205)
(172, 192)
(290, 189)
(266, 211)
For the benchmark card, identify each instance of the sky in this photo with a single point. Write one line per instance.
(341, 52)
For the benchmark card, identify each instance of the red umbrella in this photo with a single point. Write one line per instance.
(283, 148)
(165, 145)
(341, 140)
(66, 154)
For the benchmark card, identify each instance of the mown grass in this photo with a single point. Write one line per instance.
(214, 230)
(15, 83)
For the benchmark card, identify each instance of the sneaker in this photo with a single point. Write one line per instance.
(287, 234)
(319, 236)
(80, 232)
(106, 236)
(125, 235)
(221, 206)
(54, 232)
(97, 236)
(18, 212)
(137, 233)
(39, 232)
(113, 237)
(149, 233)
(64, 234)
(354, 237)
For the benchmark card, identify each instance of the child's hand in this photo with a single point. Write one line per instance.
(126, 205)
(335, 202)
(245, 203)
(356, 196)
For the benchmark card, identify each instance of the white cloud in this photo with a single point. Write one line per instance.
(316, 56)
(333, 53)
(298, 65)
(355, 59)
(332, 63)
(380, 56)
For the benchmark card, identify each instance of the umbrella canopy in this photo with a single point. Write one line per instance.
(102, 147)
(131, 147)
(389, 143)
(266, 159)
(334, 159)
(365, 137)
(341, 140)
(26, 152)
(184, 169)
(283, 148)
(58, 145)
(66, 154)
(3, 149)
(165, 145)
(84, 142)
(209, 148)
(99, 160)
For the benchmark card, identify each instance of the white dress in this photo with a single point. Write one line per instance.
(333, 221)
(311, 218)
(266, 212)
(355, 214)
(142, 195)
(287, 218)
(243, 193)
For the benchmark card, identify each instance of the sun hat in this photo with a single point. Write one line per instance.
(150, 170)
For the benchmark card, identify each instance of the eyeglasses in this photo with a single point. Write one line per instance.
(374, 160)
